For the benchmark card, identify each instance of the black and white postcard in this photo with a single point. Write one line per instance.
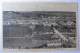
(40, 26)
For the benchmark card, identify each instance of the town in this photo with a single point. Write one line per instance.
(39, 29)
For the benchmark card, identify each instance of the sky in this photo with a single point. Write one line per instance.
(39, 6)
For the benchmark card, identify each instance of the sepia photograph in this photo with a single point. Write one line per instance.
(40, 25)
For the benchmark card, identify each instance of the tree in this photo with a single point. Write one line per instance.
(39, 28)
(51, 29)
